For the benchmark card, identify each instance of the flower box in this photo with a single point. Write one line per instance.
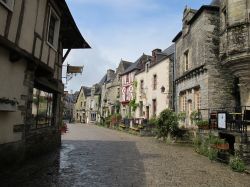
(7, 107)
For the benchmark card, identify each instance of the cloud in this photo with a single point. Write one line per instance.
(118, 29)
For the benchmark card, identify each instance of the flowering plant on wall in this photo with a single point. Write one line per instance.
(4, 100)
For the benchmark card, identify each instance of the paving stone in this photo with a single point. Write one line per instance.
(95, 156)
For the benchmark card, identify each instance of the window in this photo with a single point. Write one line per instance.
(197, 100)
(186, 62)
(141, 108)
(154, 107)
(93, 116)
(8, 4)
(154, 82)
(85, 103)
(53, 29)
(224, 17)
(147, 66)
(183, 101)
(141, 86)
(127, 78)
(81, 104)
(127, 94)
(41, 108)
(118, 92)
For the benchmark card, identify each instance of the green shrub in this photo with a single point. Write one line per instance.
(237, 164)
(195, 116)
(152, 122)
(133, 105)
(167, 123)
(203, 146)
(201, 123)
(182, 116)
(212, 154)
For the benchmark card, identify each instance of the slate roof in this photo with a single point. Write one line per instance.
(104, 79)
(136, 64)
(98, 89)
(126, 64)
(86, 90)
(170, 50)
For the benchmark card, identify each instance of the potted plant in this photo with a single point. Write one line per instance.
(195, 116)
(202, 124)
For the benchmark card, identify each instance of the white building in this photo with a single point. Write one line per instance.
(155, 84)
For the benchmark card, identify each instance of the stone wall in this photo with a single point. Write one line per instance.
(202, 42)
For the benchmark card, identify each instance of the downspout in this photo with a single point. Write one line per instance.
(173, 80)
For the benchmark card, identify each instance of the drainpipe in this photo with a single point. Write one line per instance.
(173, 80)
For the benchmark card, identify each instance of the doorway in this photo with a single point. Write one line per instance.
(147, 112)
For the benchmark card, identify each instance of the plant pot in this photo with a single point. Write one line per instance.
(224, 146)
(204, 127)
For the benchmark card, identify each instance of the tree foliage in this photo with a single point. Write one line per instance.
(167, 123)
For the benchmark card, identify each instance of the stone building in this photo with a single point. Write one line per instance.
(202, 83)
(68, 105)
(155, 84)
(93, 102)
(127, 85)
(106, 81)
(212, 70)
(81, 105)
(235, 55)
(234, 44)
(111, 90)
(33, 35)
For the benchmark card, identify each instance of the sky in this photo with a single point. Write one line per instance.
(122, 29)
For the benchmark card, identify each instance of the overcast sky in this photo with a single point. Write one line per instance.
(122, 29)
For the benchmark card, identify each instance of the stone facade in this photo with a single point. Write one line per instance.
(128, 84)
(31, 55)
(81, 105)
(201, 81)
(235, 42)
(93, 102)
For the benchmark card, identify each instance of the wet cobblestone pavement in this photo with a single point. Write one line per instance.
(95, 156)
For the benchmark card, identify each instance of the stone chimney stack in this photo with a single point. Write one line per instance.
(110, 74)
(154, 54)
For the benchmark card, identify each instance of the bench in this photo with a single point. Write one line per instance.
(134, 128)
(122, 126)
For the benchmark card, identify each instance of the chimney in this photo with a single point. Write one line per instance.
(110, 74)
(154, 54)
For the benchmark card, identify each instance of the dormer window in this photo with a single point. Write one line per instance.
(127, 78)
(53, 29)
(147, 66)
(8, 4)
(142, 86)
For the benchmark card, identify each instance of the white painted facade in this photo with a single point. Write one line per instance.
(147, 93)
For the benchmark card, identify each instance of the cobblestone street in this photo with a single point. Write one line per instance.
(95, 156)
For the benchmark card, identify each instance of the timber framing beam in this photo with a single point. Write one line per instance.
(66, 54)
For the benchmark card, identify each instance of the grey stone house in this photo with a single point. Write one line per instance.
(33, 35)
(201, 82)
(111, 89)
(93, 101)
(212, 70)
